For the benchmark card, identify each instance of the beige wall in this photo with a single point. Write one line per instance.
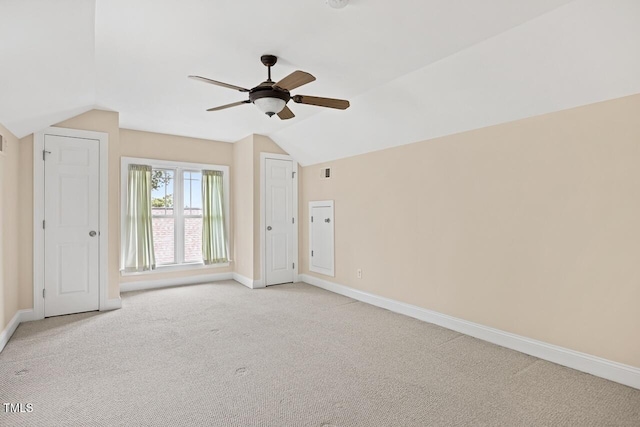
(244, 159)
(531, 227)
(25, 223)
(122, 142)
(181, 149)
(247, 202)
(94, 120)
(242, 174)
(9, 236)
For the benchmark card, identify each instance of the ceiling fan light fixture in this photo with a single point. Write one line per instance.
(337, 4)
(270, 106)
(269, 100)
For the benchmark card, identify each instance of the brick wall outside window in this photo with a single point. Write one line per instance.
(163, 239)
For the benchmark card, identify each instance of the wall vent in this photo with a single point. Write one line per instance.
(325, 173)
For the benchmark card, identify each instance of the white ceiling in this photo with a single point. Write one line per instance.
(412, 69)
(47, 65)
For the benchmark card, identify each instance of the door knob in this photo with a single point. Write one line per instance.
(269, 228)
(327, 220)
(92, 233)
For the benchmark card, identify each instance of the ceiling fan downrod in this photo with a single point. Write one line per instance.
(269, 61)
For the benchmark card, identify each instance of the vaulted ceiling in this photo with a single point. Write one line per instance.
(413, 70)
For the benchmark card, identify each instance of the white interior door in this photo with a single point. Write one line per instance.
(278, 221)
(71, 228)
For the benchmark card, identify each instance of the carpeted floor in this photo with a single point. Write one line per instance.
(289, 355)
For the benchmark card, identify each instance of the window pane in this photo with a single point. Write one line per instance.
(192, 239)
(163, 240)
(192, 193)
(162, 191)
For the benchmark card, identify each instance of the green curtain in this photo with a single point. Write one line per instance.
(138, 245)
(214, 236)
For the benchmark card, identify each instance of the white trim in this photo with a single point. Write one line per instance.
(8, 331)
(614, 371)
(112, 304)
(124, 167)
(26, 315)
(4, 145)
(249, 283)
(261, 283)
(325, 271)
(178, 267)
(170, 164)
(38, 213)
(177, 281)
(21, 316)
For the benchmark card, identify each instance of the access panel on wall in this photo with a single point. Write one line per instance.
(321, 237)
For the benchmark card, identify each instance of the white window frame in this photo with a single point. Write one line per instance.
(179, 168)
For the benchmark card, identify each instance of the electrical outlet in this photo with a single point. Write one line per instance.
(359, 273)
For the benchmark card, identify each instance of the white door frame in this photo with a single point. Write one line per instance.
(38, 213)
(262, 282)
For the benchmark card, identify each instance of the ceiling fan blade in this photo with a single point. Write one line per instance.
(217, 83)
(340, 104)
(294, 80)
(223, 107)
(286, 113)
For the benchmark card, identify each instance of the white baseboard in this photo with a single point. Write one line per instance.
(19, 317)
(26, 315)
(614, 371)
(249, 283)
(112, 304)
(243, 280)
(178, 281)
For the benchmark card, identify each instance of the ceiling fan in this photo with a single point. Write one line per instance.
(271, 98)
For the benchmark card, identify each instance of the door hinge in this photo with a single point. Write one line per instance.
(293, 220)
(293, 265)
(44, 154)
(43, 293)
(293, 175)
(311, 253)
(311, 219)
(43, 224)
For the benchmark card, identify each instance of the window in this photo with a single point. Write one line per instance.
(192, 226)
(177, 210)
(163, 214)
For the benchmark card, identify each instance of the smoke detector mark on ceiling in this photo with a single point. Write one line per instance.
(337, 4)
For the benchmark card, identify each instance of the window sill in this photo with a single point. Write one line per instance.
(170, 268)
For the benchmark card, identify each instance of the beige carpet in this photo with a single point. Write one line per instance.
(290, 355)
